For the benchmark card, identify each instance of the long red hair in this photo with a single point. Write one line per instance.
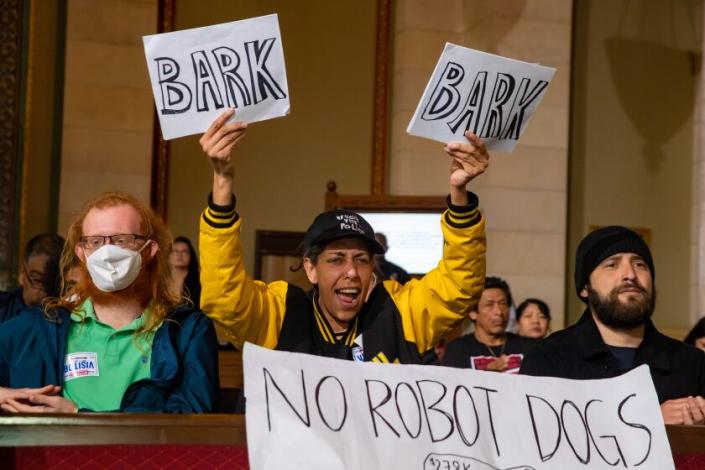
(157, 269)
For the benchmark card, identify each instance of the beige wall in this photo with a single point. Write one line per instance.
(283, 164)
(108, 105)
(523, 195)
(633, 136)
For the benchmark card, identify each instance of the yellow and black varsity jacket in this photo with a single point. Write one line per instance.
(398, 323)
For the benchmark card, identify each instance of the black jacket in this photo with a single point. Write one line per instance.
(392, 271)
(11, 304)
(578, 352)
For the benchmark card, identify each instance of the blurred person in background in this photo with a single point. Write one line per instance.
(533, 318)
(185, 270)
(696, 337)
(490, 346)
(387, 269)
(39, 277)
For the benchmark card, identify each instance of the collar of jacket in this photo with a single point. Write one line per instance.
(164, 365)
(326, 331)
(651, 351)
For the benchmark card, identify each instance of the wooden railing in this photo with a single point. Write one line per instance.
(217, 429)
(40, 440)
(107, 429)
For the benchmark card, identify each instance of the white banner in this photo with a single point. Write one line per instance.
(492, 96)
(308, 412)
(197, 73)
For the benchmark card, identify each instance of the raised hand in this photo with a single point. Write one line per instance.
(219, 140)
(470, 159)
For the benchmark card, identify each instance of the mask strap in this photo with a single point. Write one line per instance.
(149, 240)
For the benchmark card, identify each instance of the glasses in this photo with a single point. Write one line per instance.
(35, 283)
(123, 240)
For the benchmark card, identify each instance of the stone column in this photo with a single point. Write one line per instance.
(697, 284)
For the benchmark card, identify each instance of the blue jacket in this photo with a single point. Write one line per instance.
(184, 363)
(11, 304)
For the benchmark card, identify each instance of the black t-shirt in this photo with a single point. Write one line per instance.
(468, 353)
(624, 356)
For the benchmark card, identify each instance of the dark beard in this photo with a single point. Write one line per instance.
(612, 312)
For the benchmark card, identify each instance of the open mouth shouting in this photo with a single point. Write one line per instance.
(348, 296)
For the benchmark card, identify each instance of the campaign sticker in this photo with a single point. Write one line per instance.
(80, 364)
(358, 354)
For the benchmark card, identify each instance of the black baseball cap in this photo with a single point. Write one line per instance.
(337, 224)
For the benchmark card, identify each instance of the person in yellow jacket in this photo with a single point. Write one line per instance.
(347, 315)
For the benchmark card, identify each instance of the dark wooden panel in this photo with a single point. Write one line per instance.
(686, 439)
(11, 21)
(382, 203)
(103, 429)
(230, 364)
(214, 429)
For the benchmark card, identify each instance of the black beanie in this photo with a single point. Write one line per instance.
(603, 243)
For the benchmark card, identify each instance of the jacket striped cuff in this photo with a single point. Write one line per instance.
(463, 216)
(220, 216)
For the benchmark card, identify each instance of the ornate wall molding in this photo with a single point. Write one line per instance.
(11, 21)
(381, 94)
(160, 153)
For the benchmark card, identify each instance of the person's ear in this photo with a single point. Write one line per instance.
(21, 278)
(584, 293)
(153, 249)
(311, 272)
(78, 250)
(473, 315)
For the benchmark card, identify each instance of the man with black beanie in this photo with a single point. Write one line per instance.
(614, 276)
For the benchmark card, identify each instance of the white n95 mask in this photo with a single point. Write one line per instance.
(113, 268)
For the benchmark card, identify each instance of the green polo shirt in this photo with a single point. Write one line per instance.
(101, 362)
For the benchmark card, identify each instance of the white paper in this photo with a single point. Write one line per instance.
(492, 96)
(198, 73)
(308, 412)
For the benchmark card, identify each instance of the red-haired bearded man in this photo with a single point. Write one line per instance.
(118, 340)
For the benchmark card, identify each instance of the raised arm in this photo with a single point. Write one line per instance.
(247, 310)
(469, 160)
(218, 143)
(434, 305)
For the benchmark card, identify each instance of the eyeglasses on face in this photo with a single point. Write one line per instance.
(123, 240)
(35, 283)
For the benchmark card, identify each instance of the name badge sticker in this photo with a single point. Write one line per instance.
(80, 364)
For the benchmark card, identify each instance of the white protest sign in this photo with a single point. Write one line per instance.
(492, 96)
(197, 73)
(308, 412)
